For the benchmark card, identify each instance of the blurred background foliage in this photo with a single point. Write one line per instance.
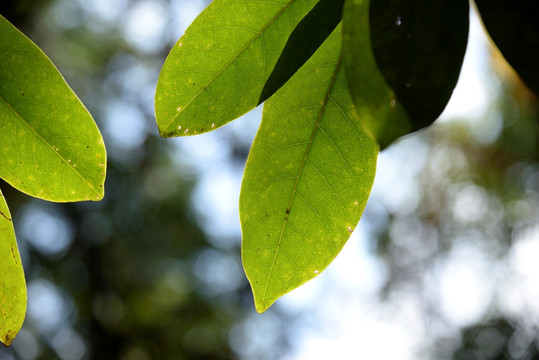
(153, 271)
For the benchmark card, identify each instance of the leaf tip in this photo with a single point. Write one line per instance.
(100, 195)
(262, 306)
(263, 301)
(167, 131)
(7, 338)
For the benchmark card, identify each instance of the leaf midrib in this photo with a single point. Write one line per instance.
(36, 134)
(233, 59)
(300, 171)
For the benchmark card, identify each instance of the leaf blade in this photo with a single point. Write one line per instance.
(12, 283)
(50, 147)
(217, 69)
(418, 49)
(307, 178)
(377, 106)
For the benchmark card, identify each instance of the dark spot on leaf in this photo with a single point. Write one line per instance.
(9, 337)
(287, 211)
(13, 254)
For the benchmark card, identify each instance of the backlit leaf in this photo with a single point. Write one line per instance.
(307, 178)
(217, 70)
(514, 28)
(418, 47)
(50, 147)
(12, 283)
(377, 106)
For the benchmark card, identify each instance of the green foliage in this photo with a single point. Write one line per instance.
(332, 101)
(312, 159)
(307, 179)
(12, 284)
(50, 148)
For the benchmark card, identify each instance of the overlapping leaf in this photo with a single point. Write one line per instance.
(306, 38)
(418, 48)
(307, 178)
(50, 147)
(12, 284)
(377, 106)
(217, 70)
(514, 28)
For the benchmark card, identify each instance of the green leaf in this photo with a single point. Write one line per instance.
(418, 48)
(217, 70)
(12, 283)
(50, 147)
(376, 104)
(514, 28)
(307, 178)
(306, 38)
